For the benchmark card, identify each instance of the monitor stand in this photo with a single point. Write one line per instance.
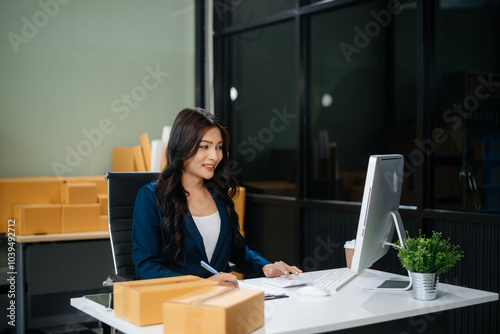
(391, 284)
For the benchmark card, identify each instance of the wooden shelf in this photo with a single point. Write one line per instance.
(62, 237)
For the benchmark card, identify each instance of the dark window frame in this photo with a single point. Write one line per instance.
(426, 105)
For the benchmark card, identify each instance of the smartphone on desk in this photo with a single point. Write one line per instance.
(102, 300)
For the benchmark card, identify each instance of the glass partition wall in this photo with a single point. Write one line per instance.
(310, 89)
(467, 76)
(263, 109)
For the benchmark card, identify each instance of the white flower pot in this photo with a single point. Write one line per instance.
(425, 286)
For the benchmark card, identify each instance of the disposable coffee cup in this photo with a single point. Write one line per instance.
(349, 251)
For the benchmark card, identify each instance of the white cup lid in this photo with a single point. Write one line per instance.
(350, 243)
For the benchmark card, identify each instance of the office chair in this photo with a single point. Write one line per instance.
(122, 189)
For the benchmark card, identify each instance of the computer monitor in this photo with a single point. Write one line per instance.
(379, 215)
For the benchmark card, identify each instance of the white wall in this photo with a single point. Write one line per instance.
(83, 76)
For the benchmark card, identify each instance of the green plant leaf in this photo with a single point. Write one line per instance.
(428, 255)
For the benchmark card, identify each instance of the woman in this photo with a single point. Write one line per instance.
(188, 215)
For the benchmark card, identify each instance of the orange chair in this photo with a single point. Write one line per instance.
(239, 207)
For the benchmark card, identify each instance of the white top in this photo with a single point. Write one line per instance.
(209, 228)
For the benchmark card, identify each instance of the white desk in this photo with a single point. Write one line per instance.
(347, 308)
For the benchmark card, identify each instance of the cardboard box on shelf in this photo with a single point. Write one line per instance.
(37, 219)
(81, 218)
(103, 225)
(43, 190)
(103, 202)
(128, 159)
(78, 193)
(26, 190)
(123, 159)
(140, 302)
(99, 180)
(215, 309)
(146, 149)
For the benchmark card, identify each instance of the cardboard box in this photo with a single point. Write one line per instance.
(103, 202)
(37, 219)
(103, 223)
(26, 190)
(39, 190)
(78, 193)
(215, 309)
(146, 149)
(103, 226)
(123, 159)
(140, 302)
(99, 180)
(81, 218)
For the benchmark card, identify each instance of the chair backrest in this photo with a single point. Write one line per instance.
(122, 190)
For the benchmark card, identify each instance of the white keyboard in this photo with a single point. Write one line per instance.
(335, 279)
(284, 282)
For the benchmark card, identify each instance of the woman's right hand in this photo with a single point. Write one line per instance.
(225, 279)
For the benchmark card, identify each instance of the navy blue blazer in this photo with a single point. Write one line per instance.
(153, 259)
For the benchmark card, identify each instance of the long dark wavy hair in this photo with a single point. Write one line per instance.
(188, 129)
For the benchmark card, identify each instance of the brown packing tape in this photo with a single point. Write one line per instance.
(203, 294)
(217, 293)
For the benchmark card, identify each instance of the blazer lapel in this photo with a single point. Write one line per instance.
(223, 234)
(192, 230)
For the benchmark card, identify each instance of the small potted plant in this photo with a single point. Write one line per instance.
(425, 259)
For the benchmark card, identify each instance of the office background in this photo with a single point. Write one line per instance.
(308, 89)
(69, 66)
(78, 78)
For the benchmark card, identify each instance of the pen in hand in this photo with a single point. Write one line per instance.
(211, 269)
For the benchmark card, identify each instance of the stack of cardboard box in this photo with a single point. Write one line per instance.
(189, 304)
(43, 205)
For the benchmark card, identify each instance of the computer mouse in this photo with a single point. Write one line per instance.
(313, 291)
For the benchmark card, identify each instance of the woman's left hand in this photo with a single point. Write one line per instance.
(280, 268)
